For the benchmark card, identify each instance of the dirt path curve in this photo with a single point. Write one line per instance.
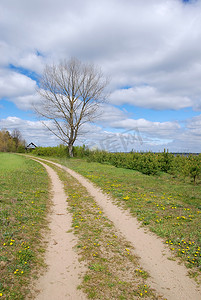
(62, 277)
(167, 276)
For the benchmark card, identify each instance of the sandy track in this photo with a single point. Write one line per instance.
(62, 277)
(167, 277)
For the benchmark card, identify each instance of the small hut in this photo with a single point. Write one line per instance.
(30, 147)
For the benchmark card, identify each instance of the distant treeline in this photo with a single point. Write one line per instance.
(11, 142)
(148, 163)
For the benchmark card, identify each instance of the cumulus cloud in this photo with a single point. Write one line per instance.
(109, 114)
(157, 129)
(27, 102)
(19, 89)
(194, 125)
(31, 61)
(13, 84)
(149, 97)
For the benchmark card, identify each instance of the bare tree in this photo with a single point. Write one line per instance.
(17, 137)
(71, 93)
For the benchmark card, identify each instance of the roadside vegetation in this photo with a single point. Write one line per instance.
(23, 209)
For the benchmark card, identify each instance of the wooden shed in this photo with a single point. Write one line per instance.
(31, 146)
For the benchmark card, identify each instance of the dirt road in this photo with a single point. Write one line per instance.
(62, 277)
(167, 276)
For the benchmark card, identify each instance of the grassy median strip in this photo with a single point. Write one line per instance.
(169, 207)
(23, 208)
(113, 269)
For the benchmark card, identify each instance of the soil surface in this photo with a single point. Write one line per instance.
(167, 277)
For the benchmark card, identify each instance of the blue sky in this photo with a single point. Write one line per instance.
(151, 51)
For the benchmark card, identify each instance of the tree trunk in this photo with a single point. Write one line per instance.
(70, 150)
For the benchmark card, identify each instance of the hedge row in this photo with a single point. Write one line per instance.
(61, 151)
(152, 163)
(148, 163)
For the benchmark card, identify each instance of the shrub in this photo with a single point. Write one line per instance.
(59, 151)
(166, 161)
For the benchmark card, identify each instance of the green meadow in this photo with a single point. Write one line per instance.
(23, 207)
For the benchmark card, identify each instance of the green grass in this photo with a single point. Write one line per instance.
(23, 208)
(170, 207)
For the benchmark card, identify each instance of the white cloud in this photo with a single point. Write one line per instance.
(31, 61)
(149, 97)
(194, 126)
(154, 129)
(13, 84)
(109, 113)
(27, 102)
(18, 88)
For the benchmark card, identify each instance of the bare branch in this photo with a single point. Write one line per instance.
(71, 93)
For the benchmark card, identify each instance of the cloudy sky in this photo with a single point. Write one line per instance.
(150, 50)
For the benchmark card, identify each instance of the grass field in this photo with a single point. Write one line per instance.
(23, 207)
(169, 207)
